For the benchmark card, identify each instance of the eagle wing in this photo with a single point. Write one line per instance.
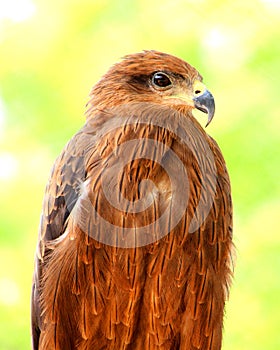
(61, 194)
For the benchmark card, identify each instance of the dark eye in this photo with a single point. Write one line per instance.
(161, 80)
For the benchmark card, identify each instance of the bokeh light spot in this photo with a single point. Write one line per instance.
(9, 291)
(271, 3)
(8, 166)
(16, 10)
(215, 39)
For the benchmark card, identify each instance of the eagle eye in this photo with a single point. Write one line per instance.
(161, 80)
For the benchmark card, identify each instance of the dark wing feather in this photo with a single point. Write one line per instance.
(61, 194)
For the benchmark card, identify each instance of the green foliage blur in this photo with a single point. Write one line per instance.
(52, 52)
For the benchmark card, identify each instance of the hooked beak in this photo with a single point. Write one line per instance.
(205, 103)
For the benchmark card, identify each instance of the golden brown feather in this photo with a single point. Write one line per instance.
(98, 282)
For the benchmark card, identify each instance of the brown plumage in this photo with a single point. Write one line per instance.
(135, 241)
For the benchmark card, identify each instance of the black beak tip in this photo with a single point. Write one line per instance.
(206, 104)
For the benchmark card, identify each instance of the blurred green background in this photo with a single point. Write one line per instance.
(52, 52)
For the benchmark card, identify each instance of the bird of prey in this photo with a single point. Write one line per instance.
(135, 240)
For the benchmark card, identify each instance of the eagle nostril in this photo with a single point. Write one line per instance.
(197, 92)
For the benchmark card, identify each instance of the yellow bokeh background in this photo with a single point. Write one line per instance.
(52, 52)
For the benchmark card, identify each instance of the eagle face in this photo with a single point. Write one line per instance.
(166, 80)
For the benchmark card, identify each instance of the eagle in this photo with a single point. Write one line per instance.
(135, 240)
